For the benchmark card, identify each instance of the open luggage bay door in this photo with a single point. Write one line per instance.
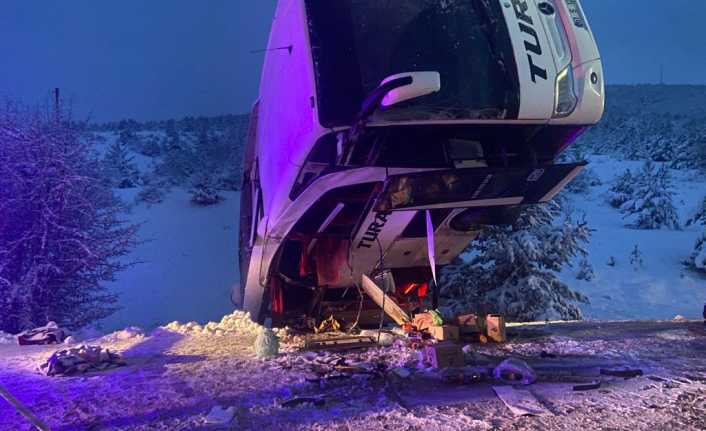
(477, 187)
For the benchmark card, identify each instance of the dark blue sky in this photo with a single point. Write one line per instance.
(156, 59)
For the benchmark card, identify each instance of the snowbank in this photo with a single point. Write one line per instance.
(6, 338)
(237, 323)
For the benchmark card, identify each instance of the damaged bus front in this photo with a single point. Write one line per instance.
(381, 125)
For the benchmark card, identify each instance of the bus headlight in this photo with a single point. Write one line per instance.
(565, 97)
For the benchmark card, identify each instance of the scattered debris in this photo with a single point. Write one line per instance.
(49, 334)
(515, 371)
(220, 416)
(298, 401)
(445, 333)
(81, 360)
(423, 321)
(520, 402)
(339, 343)
(587, 387)
(444, 355)
(625, 374)
(328, 325)
(381, 337)
(465, 376)
(470, 324)
(266, 344)
(495, 328)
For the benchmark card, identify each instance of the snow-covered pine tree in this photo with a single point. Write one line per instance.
(651, 203)
(61, 231)
(585, 272)
(233, 140)
(697, 260)
(622, 189)
(178, 157)
(154, 188)
(204, 191)
(150, 146)
(127, 133)
(514, 269)
(586, 179)
(583, 183)
(698, 145)
(700, 215)
(636, 259)
(119, 166)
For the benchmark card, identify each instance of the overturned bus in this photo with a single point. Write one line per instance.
(387, 134)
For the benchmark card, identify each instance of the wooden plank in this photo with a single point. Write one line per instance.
(390, 307)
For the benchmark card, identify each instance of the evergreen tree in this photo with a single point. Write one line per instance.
(154, 189)
(697, 260)
(61, 232)
(514, 269)
(233, 141)
(622, 190)
(700, 215)
(698, 257)
(119, 166)
(586, 179)
(585, 271)
(651, 203)
(178, 165)
(636, 259)
(583, 183)
(204, 191)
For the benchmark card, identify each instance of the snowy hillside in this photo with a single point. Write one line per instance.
(189, 259)
(189, 262)
(186, 264)
(661, 287)
(657, 122)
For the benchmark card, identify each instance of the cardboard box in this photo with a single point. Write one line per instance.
(470, 324)
(445, 333)
(423, 321)
(444, 355)
(495, 328)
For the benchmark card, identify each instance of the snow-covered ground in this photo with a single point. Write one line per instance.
(177, 375)
(188, 262)
(663, 287)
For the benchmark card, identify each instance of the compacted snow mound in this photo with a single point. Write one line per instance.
(239, 323)
(6, 338)
(129, 333)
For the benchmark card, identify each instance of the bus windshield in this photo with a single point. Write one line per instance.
(356, 44)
